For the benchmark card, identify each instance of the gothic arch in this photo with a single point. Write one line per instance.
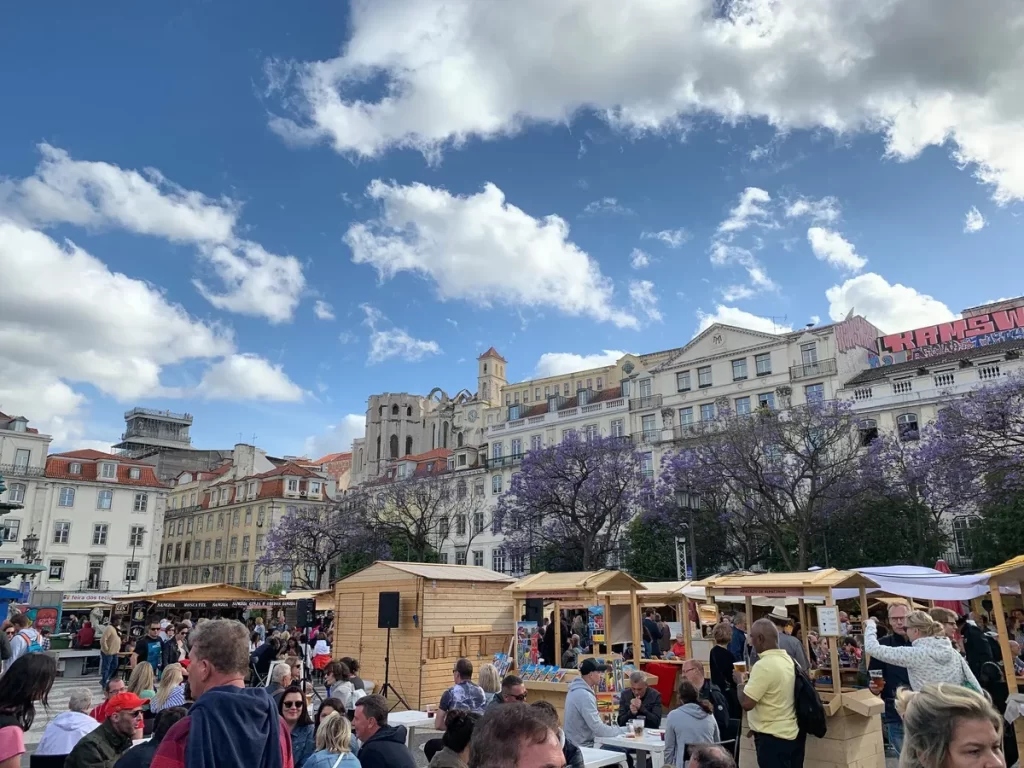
(444, 435)
(408, 445)
(459, 440)
(408, 411)
(394, 446)
(394, 410)
(378, 447)
(433, 436)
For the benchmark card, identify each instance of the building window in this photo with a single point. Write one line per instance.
(536, 393)
(590, 432)
(600, 383)
(496, 484)
(517, 446)
(478, 558)
(906, 425)
(617, 428)
(460, 558)
(243, 573)
(16, 493)
(763, 364)
(647, 464)
(442, 558)
(868, 429)
(134, 473)
(809, 353)
(443, 528)
(141, 502)
(547, 391)
(9, 528)
(108, 471)
(61, 532)
(181, 527)
(683, 381)
(206, 549)
(220, 521)
(814, 393)
(199, 525)
(478, 523)
(508, 398)
(565, 389)
(104, 499)
(707, 412)
(314, 487)
(131, 570)
(742, 406)
(647, 425)
(645, 387)
(685, 416)
(56, 572)
(517, 564)
(192, 499)
(766, 400)
(188, 551)
(961, 526)
(231, 574)
(496, 450)
(515, 398)
(259, 542)
(248, 515)
(235, 518)
(67, 497)
(136, 535)
(188, 526)
(245, 545)
(462, 456)
(461, 491)
(498, 559)
(218, 547)
(233, 546)
(739, 369)
(624, 388)
(460, 525)
(99, 535)
(704, 376)
(478, 488)
(261, 516)
(76, 468)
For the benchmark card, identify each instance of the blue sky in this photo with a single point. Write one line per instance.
(438, 178)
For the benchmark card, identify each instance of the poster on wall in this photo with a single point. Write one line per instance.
(527, 643)
(595, 618)
(137, 627)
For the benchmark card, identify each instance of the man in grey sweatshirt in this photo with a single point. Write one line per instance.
(582, 723)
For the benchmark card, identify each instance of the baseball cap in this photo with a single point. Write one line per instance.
(591, 665)
(123, 702)
(185, 662)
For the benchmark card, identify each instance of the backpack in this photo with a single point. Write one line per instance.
(33, 645)
(810, 712)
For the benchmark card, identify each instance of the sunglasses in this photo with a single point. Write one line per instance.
(292, 705)
(520, 697)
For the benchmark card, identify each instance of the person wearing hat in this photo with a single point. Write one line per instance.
(582, 723)
(102, 747)
(779, 616)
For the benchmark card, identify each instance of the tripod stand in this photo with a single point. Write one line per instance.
(387, 683)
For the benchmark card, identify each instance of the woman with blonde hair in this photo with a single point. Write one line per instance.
(930, 658)
(171, 691)
(489, 679)
(333, 744)
(141, 681)
(949, 726)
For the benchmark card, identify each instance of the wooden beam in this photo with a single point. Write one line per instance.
(833, 652)
(864, 618)
(607, 627)
(805, 631)
(557, 661)
(687, 629)
(1004, 648)
(638, 644)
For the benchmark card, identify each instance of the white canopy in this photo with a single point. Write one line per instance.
(924, 583)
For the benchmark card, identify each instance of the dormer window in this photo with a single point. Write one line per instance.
(134, 473)
(252, 490)
(108, 471)
(293, 485)
(314, 487)
(19, 425)
(75, 469)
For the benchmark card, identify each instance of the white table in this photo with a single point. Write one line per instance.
(651, 744)
(411, 719)
(597, 758)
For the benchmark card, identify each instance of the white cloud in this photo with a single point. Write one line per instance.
(919, 74)
(323, 310)
(741, 319)
(815, 319)
(558, 363)
(248, 377)
(338, 438)
(483, 250)
(639, 259)
(99, 195)
(892, 308)
(751, 209)
(393, 342)
(673, 238)
(833, 248)
(824, 211)
(641, 293)
(606, 205)
(974, 221)
(737, 292)
(347, 337)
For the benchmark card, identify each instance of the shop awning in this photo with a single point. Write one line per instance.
(198, 596)
(929, 584)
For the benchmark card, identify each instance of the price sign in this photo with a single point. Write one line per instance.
(828, 620)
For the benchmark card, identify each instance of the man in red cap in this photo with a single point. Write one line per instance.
(103, 747)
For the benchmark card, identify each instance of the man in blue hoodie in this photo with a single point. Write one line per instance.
(229, 724)
(381, 745)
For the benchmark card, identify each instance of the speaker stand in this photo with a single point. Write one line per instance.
(387, 682)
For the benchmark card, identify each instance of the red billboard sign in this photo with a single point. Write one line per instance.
(956, 330)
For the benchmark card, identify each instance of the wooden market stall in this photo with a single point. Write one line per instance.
(212, 600)
(1008, 574)
(854, 727)
(445, 612)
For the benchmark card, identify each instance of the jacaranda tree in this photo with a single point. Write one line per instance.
(577, 496)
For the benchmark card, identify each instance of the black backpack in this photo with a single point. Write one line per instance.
(810, 712)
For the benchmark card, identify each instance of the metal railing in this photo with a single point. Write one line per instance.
(825, 367)
(20, 470)
(503, 461)
(643, 403)
(93, 585)
(647, 436)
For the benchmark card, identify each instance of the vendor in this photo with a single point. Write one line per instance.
(679, 646)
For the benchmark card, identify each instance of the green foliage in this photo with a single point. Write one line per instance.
(650, 550)
(998, 534)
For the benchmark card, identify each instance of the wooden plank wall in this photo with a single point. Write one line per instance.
(447, 604)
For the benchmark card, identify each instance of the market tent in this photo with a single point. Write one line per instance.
(201, 593)
(929, 584)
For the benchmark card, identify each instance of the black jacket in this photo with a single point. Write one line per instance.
(895, 677)
(573, 755)
(720, 706)
(650, 708)
(139, 756)
(386, 749)
(99, 749)
(262, 657)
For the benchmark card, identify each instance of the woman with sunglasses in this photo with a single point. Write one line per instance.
(26, 681)
(296, 718)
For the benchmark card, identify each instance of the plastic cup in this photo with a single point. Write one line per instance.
(876, 674)
(638, 728)
(739, 666)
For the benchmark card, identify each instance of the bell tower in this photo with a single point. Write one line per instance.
(490, 376)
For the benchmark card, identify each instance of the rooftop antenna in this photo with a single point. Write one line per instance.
(849, 315)
(777, 321)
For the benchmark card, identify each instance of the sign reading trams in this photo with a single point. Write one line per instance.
(967, 333)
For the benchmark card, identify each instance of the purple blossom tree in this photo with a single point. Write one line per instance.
(785, 470)
(577, 496)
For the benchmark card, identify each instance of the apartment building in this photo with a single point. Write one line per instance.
(22, 463)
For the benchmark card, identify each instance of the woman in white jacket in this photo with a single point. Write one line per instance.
(931, 657)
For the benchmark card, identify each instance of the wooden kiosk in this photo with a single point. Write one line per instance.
(445, 612)
(577, 589)
(854, 735)
(1008, 574)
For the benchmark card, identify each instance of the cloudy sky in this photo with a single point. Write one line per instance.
(261, 216)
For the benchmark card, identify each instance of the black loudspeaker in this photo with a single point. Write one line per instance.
(304, 613)
(387, 611)
(535, 609)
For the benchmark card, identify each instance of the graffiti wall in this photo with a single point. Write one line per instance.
(957, 335)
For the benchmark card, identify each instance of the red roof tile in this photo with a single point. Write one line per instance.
(88, 454)
(58, 467)
(436, 453)
(492, 352)
(333, 457)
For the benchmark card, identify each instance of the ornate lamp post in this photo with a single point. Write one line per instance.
(688, 501)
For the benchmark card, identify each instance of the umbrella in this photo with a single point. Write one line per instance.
(954, 605)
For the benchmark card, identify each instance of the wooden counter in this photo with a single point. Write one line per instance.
(554, 693)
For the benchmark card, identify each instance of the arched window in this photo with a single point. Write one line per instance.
(394, 446)
(433, 436)
(382, 410)
(378, 447)
(906, 426)
(460, 439)
(485, 367)
(868, 431)
(408, 411)
(408, 445)
(444, 435)
(394, 410)
(485, 391)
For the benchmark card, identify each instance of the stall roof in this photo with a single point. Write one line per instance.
(324, 597)
(199, 592)
(577, 581)
(1010, 572)
(670, 591)
(447, 572)
(825, 578)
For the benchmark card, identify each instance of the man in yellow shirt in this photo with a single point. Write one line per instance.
(767, 697)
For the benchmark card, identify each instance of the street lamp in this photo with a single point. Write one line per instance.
(688, 501)
(135, 540)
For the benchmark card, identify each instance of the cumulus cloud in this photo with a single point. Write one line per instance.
(639, 259)
(248, 377)
(739, 318)
(974, 221)
(641, 293)
(673, 238)
(98, 195)
(323, 310)
(831, 247)
(337, 438)
(944, 73)
(388, 343)
(558, 363)
(891, 307)
(481, 249)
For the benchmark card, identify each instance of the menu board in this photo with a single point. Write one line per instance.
(828, 620)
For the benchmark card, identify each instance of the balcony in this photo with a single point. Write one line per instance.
(813, 370)
(20, 470)
(503, 461)
(647, 437)
(685, 431)
(645, 403)
(93, 585)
